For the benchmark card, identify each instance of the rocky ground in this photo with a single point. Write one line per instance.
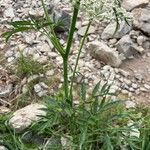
(121, 59)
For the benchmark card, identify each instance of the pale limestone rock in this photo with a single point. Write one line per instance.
(24, 117)
(131, 4)
(102, 52)
(141, 19)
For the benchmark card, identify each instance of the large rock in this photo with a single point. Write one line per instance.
(126, 46)
(141, 19)
(24, 117)
(109, 31)
(103, 53)
(131, 4)
(3, 148)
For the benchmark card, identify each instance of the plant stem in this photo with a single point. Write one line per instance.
(53, 38)
(67, 51)
(66, 86)
(72, 27)
(78, 57)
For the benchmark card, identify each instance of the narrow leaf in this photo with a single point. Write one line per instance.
(83, 91)
(57, 45)
(117, 20)
(21, 23)
(96, 88)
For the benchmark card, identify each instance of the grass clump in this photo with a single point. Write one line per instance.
(9, 138)
(26, 66)
(97, 123)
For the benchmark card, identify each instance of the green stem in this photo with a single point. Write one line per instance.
(78, 57)
(53, 38)
(66, 86)
(72, 27)
(67, 51)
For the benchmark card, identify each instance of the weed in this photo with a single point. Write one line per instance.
(97, 122)
(26, 66)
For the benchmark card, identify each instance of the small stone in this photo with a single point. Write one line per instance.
(112, 41)
(59, 58)
(147, 86)
(32, 78)
(137, 92)
(36, 56)
(112, 76)
(9, 12)
(52, 54)
(4, 110)
(124, 92)
(9, 54)
(24, 89)
(143, 89)
(148, 54)
(126, 46)
(24, 80)
(128, 82)
(135, 133)
(124, 73)
(10, 59)
(82, 30)
(43, 60)
(66, 142)
(131, 89)
(5, 91)
(36, 13)
(43, 85)
(42, 93)
(130, 104)
(113, 89)
(134, 130)
(139, 77)
(37, 88)
(43, 47)
(139, 49)
(50, 73)
(135, 86)
(140, 40)
(29, 38)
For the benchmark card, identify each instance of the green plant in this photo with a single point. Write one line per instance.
(96, 9)
(26, 66)
(96, 123)
(10, 139)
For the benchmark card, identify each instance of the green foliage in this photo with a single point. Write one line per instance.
(26, 66)
(96, 123)
(25, 25)
(10, 139)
